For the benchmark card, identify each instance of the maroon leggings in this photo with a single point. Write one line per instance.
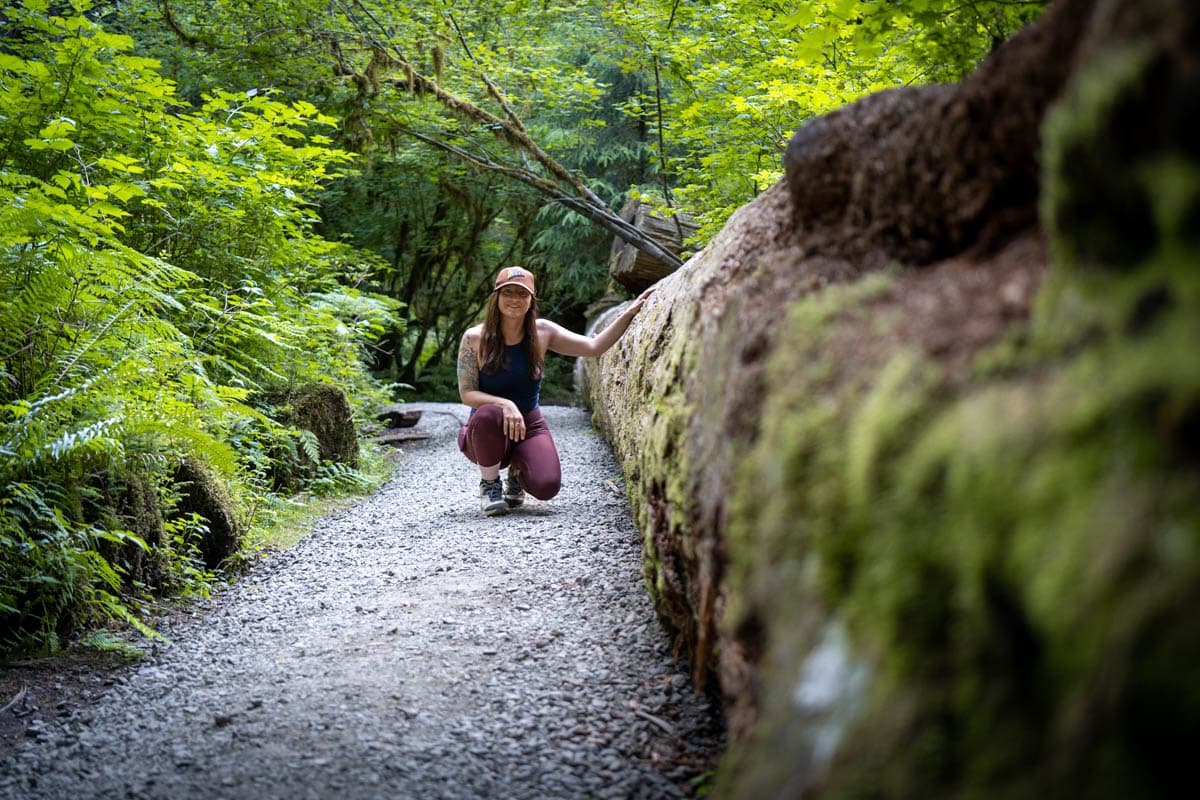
(482, 440)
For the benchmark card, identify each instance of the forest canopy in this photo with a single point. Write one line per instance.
(206, 205)
(493, 133)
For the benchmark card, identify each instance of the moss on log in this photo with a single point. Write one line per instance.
(324, 410)
(924, 501)
(126, 500)
(203, 493)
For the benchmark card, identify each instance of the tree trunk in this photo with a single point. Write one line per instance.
(876, 529)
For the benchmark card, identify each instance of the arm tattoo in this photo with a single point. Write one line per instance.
(468, 367)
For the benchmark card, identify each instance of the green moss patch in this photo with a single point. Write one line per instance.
(1015, 560)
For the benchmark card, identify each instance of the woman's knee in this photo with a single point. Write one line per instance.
(487, 415)
(543, 487)
(485, 441)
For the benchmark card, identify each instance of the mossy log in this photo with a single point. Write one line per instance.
(324, 410)
(913, 442)
(635, 269)
(127, 500)
(203, 493)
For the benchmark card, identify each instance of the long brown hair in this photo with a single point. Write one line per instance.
(491, 345)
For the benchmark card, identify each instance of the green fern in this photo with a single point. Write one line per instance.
(309, 445)
(155, 298)
(332, 479)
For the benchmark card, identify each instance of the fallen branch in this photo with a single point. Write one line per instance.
(395, 437)
(662, 723)
(18, 698)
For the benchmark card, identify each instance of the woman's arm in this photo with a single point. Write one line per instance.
(566, 343)
(468, 370)
(471, 395)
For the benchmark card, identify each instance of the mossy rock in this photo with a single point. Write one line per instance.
(324, 410)
(127, 501)
(202, 492)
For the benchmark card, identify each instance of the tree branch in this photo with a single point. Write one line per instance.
(559, 183)
(581, 199)
(602, 215)
(184, 36)
(493, 90)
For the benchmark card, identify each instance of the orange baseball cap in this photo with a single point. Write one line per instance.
(515, 276)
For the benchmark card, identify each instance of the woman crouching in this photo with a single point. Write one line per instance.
(500, 368)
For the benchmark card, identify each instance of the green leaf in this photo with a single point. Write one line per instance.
(12, 63)
(49, 144)
(803, 16)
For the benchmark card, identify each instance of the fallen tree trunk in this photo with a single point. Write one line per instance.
(879, 435)
(633, 267)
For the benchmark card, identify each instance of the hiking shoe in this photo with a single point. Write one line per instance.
(491, 495)
(514, 495)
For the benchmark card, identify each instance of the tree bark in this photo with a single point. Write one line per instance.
(828, 477)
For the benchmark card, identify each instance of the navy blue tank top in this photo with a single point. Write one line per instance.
(514, 382)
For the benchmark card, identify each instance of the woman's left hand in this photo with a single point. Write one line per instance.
(636, 305)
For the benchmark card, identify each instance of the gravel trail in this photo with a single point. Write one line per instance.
(409, 648)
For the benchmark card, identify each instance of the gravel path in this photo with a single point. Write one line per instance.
(409, 648)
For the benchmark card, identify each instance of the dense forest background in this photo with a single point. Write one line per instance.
(209, 206)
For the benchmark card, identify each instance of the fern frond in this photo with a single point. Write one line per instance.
(103, 570)
(72, 357)
(88, 436)
(23, 503)
(333, 478)
(192, 439)
(113, 608)
(123, 538)
(309, 445)
(36, 299)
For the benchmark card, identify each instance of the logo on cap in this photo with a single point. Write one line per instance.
(515, 276)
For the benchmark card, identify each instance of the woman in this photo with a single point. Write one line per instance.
(499, 377)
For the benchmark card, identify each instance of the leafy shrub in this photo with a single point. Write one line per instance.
(160, 268)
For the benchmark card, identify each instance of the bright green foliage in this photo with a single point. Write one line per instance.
(158, 270)
(681, 102)
(441, 227)
(741, 76)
